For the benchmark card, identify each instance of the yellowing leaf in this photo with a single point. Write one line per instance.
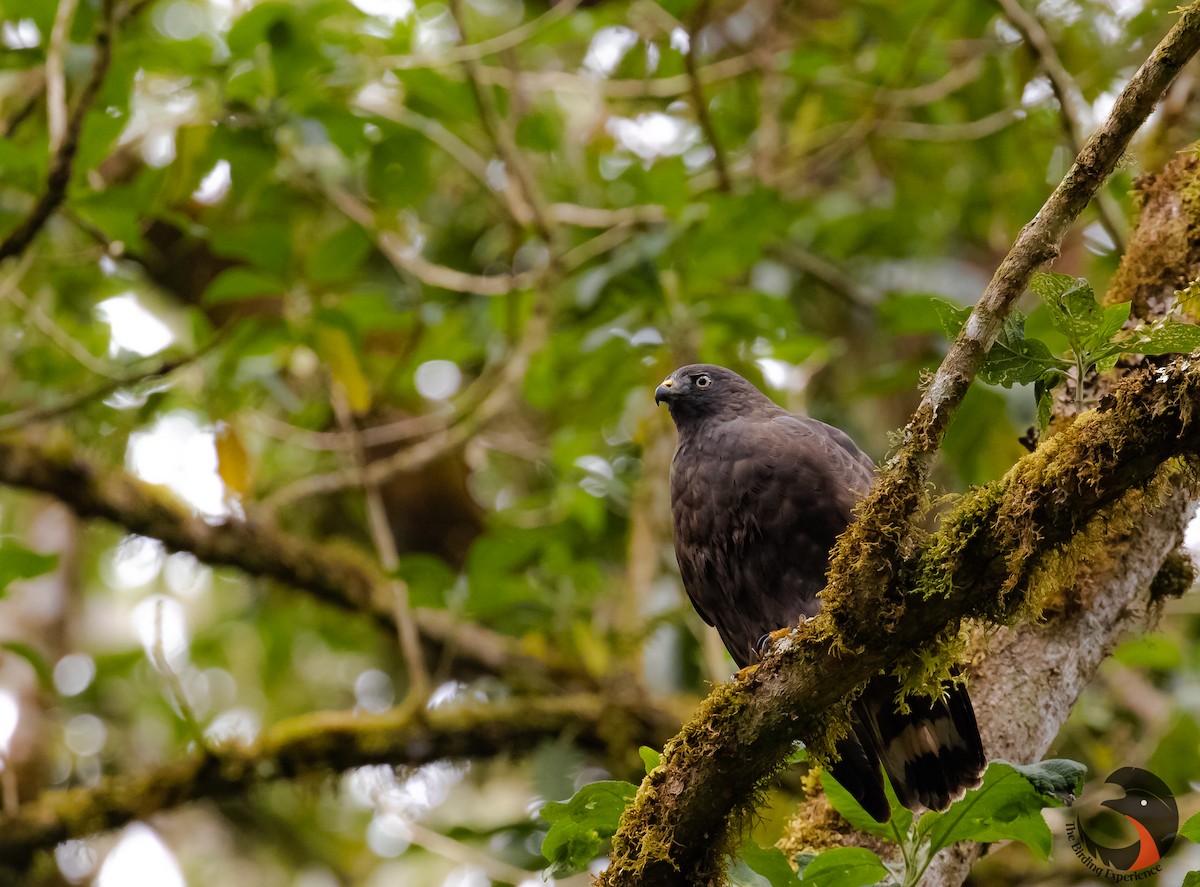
(337, 350)
(591, 648)
(233, 463)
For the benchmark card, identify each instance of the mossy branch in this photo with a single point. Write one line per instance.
(339, 575)
(318, 745)
(861, 560)
(980, 563)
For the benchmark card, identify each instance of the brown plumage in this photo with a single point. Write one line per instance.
(758, 497)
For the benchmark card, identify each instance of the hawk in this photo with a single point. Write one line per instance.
(758, 497)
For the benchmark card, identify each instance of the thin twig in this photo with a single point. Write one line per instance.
(501, 134)
(28, 105)
(61, 163)
(447, 847)
(56, 81)
(408, 428)
(406, 257)
(502, 395)
(158, 655)
(949, 132)
(927, 93)
(491, 46)
(389, 556)
(1071, 106)
(10, 290)
(38, 415)
(46, 325)
(652, 87)
(700, 103)
(830, 274)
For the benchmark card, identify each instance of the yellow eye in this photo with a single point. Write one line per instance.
(703, 380)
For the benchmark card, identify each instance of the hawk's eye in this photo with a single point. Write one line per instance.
(703, 380)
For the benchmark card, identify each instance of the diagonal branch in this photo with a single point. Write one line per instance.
(678, 828)
(336, 576)
(64, 157)
(983, 563)
(899, 493)
(1070, 101)
(316, 745)
(389, 557)
(700, 103)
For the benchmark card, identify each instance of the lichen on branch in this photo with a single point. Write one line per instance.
(337, 575)
(316, 745)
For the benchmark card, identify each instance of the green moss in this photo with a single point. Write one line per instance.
(1175, 578)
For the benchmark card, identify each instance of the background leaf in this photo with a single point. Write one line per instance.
(844, 867)
(1007, 806)
(18, 562)
(770, 863)
(580, 828)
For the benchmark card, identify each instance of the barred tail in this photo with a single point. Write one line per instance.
(933, 754)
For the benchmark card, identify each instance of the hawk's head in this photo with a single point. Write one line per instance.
(702, 390)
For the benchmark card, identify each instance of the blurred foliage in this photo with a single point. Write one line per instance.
(381, 202)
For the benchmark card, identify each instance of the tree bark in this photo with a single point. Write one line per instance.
(1028, 678)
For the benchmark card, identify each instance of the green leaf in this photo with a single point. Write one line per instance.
(581, 827)
(1191, 829)
(1166, 337)
(1016, 360)
(1073, 309)
(241, 283)
(1191, 879)
(844, 867)
(1045, 403)
(650, 758)
(770, 863)
(1110, 324)
(18, 562)
(263, 244)
(844, 803)
(398, 168)
(1050, 286)
(338, 256)
(1173, 761)
(1007, 806)
(951, 316)
(1058, 777)
(1159, 651)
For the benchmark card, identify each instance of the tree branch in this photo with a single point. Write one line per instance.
(700, 103)
(985, 562)
(337, 576)
(61, 163)
(419, 686)
(981, 564)
(899, 493)
(315, 745)
(1031, 675)
(1071, 107)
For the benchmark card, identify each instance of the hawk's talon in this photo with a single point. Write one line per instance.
(767, 641)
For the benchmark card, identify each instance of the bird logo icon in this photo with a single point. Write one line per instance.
(1150, 808)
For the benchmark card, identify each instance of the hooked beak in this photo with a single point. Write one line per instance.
(664, 391)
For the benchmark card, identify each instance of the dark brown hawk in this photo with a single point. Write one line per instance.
(758, 497)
